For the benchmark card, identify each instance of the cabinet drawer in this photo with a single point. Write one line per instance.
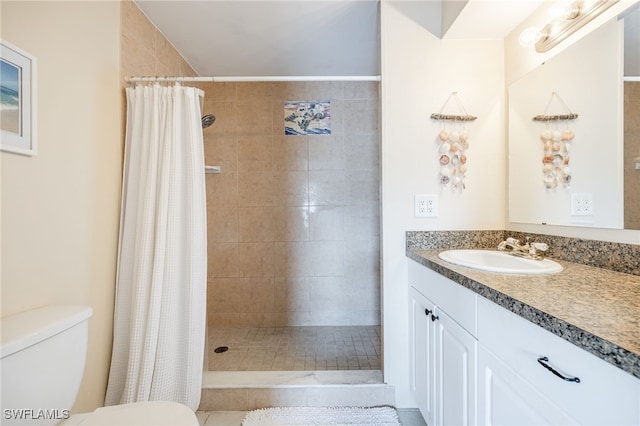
(451, 297)
(605, 394)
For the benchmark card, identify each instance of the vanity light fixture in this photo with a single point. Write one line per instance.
(564, 19)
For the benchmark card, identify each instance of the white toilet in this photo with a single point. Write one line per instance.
(42, 360)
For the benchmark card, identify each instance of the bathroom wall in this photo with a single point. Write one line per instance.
(631, 154)
(293, 221)
(60, 209)
(419, 72)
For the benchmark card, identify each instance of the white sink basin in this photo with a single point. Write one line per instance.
(498, 261)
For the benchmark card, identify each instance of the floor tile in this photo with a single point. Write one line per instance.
(410, 417)
(294, 348)
(224, 418)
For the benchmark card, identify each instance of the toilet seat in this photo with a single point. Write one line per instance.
(151, 413)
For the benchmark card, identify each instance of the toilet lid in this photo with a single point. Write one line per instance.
(151, 413)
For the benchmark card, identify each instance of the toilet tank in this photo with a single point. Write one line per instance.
(42, 359)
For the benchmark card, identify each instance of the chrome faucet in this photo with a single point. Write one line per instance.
(529, 250)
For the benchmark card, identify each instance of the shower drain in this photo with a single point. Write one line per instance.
(221, 349)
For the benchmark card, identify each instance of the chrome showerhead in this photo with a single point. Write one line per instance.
(208, 120)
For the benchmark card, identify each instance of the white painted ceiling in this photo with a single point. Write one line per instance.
(490, 19)
(239, 38)
(272, 38)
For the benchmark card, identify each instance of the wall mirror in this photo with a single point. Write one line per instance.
(591, 180)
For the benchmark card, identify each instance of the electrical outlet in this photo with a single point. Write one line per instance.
(426, 205)
(582, 204)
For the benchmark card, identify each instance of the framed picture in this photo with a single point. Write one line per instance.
(17, 101)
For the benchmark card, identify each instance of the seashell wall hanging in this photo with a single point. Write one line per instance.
(556, 145)
(453, 140)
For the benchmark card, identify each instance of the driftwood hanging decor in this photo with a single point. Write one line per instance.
(453, 140)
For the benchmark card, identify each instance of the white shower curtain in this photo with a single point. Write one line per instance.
(159, 318)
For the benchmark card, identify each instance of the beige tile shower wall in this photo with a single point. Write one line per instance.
(144, 51)
(293, 221)
(631, 155)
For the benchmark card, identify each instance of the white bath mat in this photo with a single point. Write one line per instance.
(322, 416)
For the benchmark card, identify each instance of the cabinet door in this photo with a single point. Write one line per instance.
(504, 398)
(422, 354)
(456, 353)
(605, 394)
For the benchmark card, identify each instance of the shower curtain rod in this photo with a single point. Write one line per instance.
(252, 78)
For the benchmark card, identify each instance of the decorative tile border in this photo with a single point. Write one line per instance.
(613, 256)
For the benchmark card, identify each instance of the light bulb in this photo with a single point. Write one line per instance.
(571, 12)
(563, 10)
(530, 36)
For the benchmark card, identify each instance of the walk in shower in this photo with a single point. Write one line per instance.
(293, 227)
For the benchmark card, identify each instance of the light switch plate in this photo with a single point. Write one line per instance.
(582, 204)
(426, 205)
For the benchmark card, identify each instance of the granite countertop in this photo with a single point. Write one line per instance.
(596, 309)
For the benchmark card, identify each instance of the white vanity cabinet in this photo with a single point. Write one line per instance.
(474, 362)
(443, 350)
(516, 388)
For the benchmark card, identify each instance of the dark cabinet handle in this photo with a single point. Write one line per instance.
(427, 312)
(434, 317)
(543, 362)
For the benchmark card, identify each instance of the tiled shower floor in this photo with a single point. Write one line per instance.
(295, 348)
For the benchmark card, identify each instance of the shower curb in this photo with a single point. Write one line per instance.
(242, 391)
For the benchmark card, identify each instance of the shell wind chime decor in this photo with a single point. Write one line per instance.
(556, 143)
(453, 140)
